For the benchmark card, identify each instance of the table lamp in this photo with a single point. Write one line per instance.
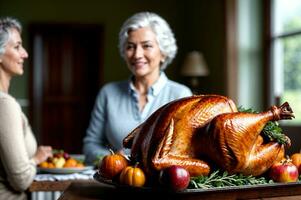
(194, 66)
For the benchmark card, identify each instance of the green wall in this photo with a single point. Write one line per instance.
(198, 25)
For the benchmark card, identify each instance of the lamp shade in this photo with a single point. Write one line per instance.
(194, 65)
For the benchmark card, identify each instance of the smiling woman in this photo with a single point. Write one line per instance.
(147, 44)
(14, 55)
(19, 153)
(143, 56)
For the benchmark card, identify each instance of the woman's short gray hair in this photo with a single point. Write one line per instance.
(6, 25)
(164, 34)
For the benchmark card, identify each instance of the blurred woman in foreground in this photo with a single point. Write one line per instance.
(19, 154)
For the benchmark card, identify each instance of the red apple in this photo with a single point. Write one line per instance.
(284, 171)
(175, 177)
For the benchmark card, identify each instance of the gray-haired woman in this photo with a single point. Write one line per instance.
(147, 44)
(19, 154)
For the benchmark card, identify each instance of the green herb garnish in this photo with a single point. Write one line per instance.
(274, 132)
(218, 179)
(271, 131)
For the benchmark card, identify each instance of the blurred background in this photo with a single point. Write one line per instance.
(251, 50)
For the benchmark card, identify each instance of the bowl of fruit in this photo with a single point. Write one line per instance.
(63, 163)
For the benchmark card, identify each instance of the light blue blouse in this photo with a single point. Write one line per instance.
(116, 113)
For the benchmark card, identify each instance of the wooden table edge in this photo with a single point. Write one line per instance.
(50, 186)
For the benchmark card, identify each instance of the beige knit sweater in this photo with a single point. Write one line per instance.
(17, 147)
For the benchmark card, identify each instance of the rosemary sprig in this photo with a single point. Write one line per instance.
(218, 179)
(271, 131)
(246, 110)
(274, 132)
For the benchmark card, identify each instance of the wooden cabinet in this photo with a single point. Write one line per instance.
(65, 77)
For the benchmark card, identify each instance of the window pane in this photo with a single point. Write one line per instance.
(287, 55)
(287, 16)
(288, 83)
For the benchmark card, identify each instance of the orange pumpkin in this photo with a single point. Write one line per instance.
(296, 160)
(133, 176)
(112, 165)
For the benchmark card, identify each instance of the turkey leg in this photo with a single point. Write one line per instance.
(263, 156)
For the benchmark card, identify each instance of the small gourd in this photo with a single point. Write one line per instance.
(132, 176)
(112, 165)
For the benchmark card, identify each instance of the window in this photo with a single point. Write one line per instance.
(286, 54)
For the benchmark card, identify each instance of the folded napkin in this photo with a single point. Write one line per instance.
(84, 175)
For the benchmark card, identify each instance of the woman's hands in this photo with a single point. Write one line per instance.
(42, 153)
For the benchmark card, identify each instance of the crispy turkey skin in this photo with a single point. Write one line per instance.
(191, 131)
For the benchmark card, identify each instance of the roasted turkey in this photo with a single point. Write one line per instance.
(202, 131)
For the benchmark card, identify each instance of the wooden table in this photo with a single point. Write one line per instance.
(95, 190)
(47, 186)
(41, 190)
(58, 181)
